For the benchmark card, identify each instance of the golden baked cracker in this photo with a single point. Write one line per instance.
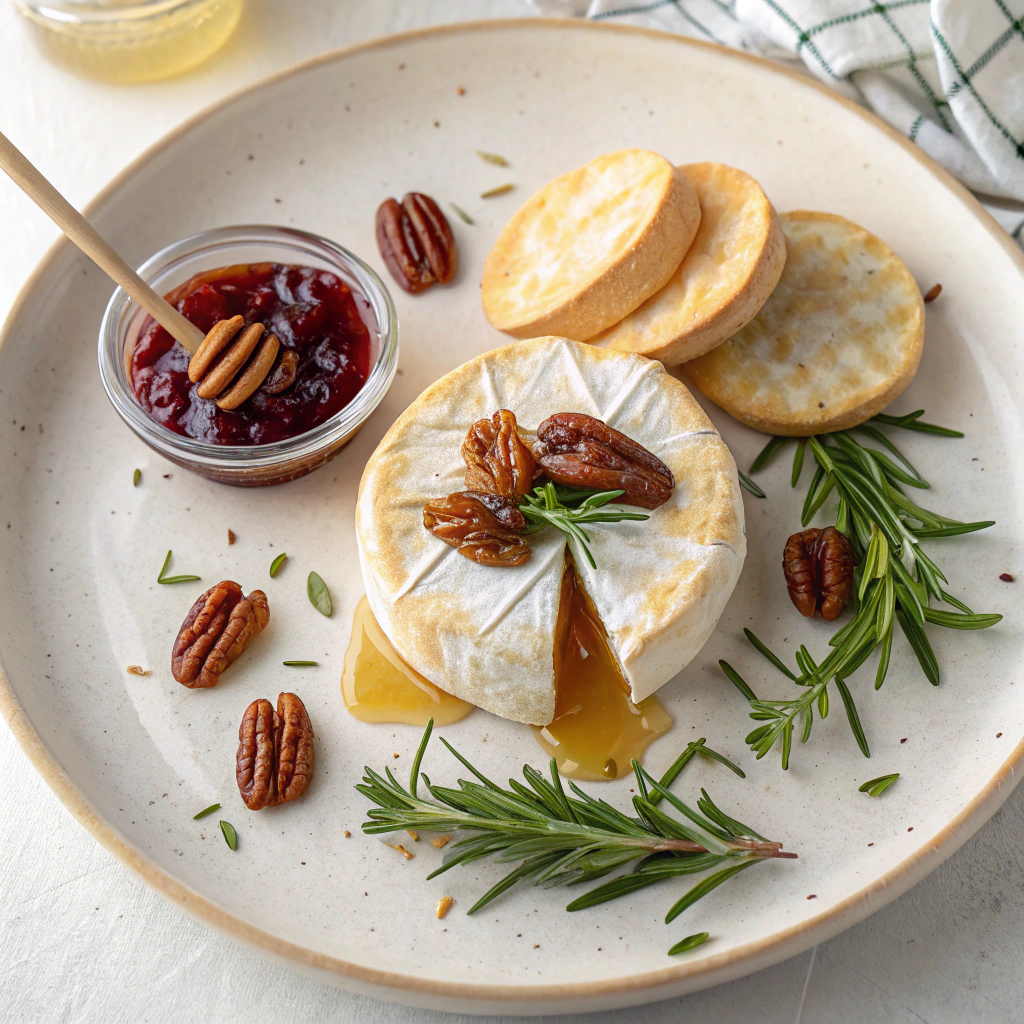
(836, 342)
(590, 246)
(728, 272)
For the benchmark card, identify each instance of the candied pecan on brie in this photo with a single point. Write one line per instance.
(484, 527)
(498, 460)
(577, 450)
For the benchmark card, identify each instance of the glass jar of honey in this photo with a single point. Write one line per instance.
(130, 40)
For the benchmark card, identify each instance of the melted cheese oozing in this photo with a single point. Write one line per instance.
(378, 686)
(597, 730)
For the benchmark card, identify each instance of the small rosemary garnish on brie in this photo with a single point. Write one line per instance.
(569, 508)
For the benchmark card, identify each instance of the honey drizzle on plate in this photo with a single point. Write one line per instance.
(378, 686)
(597, 729)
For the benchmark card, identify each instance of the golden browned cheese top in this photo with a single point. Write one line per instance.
(486, 634)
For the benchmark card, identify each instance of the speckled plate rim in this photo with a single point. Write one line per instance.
(488, 998)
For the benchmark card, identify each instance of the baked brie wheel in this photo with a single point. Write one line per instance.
(487, 634)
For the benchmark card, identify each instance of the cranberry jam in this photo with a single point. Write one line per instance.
(313, 312)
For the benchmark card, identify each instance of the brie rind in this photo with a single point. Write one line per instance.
(487, 634)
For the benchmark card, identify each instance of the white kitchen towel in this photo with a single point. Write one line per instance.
(948, 74)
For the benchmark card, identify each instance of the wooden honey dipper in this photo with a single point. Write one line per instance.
(222, 362)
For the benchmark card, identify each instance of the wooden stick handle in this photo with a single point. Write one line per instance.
(97, 248)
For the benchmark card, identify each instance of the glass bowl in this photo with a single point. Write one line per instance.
(130, 40)
(249, 465)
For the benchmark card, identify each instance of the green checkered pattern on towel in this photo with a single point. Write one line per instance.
(949, 74)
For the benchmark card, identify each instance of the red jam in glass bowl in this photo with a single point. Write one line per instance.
(313, 312)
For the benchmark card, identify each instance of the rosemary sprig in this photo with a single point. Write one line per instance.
(568, 509)
(895, 581)
(560, 839)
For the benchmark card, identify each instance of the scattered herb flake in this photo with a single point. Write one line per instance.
(205, 811)
(462, 214)
(136, 477)
(690, 942)
(299, 664)
(230, 835)
(493, 158)
(173, 579)
(319, 595)
(499, 191)
(876, 787)
(277, 563)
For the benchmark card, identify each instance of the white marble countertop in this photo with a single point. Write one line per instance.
(83, 941)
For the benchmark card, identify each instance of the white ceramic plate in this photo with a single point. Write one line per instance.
(135, 758)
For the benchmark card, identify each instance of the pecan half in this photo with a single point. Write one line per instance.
(818, 565)
(484, 527)
(275, 756)
(283, 374)
(218, 627)
(580, 451)
(497, 458)
(416, 242)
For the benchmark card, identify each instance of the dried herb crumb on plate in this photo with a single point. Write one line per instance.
(752, 917)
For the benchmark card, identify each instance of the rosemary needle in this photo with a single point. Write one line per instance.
(277, 563)
(205, 811)
(500, 190)
(230, 835)
(559, 838)
(747, 484)
(690, 942)
(465, 217)
(173, 579)
(876, 787)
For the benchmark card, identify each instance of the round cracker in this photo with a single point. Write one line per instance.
(836, 342)
(735, 261)
(590, 246)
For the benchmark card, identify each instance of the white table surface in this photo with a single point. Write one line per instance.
(82, 940)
